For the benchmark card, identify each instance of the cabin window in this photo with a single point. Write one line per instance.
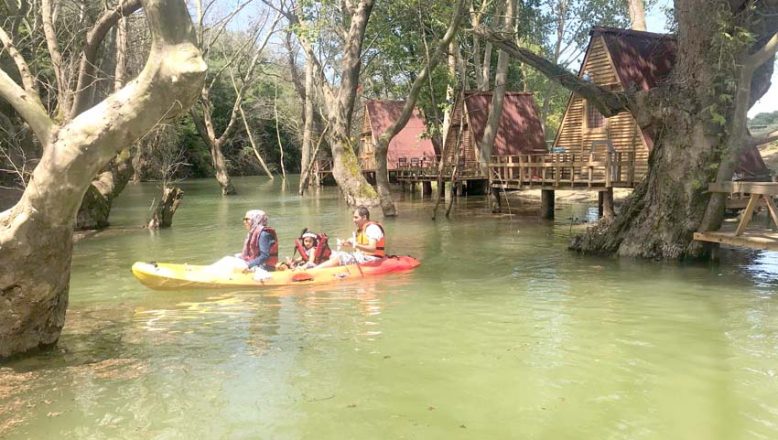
(594, 119)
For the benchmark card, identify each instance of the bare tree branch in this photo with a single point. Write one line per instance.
(247, 78)
(93, 40)
(29, 107)
(47, 14)
(24, 70)
(221, 25)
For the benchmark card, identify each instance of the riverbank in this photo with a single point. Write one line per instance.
(568, 196)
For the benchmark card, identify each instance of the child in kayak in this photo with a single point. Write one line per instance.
(307, 252)
(312, 248)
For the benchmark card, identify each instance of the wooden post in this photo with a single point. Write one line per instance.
(547, 204)
(442, 189)
(605, 203)
(426, 188)
(496, 201)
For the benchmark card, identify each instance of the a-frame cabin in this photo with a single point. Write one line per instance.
(519, 131)
(620, 60)
(409, 146)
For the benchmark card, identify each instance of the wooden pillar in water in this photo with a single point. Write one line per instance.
(547, 204)
(495, 200)
(426, 189)
(605, 203)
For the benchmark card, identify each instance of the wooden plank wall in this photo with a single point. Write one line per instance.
(621, 129)
(451, 140)
(366, 147)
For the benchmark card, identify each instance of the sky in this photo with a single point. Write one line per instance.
(656, 22)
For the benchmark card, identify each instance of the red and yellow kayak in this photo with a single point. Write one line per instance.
(169, 276)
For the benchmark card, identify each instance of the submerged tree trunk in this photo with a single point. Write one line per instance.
(96, 205)
(162, 217)
(486, 143)
(204, 124)
(36, 234)
(346, 169)
(308, 115)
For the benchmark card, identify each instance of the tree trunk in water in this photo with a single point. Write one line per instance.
(346, 169)
(36, 234)
(486, 143)
(166, 208)
(347, 172)
(220, 167)
(307, 124)
(96, 205)
(99, 197)
(659, 218)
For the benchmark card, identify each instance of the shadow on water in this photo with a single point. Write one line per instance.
(501, 333)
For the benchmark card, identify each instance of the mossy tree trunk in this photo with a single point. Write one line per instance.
(36, 234)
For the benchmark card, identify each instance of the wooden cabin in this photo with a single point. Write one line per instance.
(620, 60)
(520, 130)
(410, 146)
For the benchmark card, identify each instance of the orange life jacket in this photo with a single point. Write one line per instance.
(322, 251)
(380, 246)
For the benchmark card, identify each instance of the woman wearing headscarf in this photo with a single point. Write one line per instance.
(260, 249)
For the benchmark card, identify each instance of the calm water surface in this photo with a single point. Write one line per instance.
(501, 333)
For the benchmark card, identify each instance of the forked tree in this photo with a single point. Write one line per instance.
(36, 234)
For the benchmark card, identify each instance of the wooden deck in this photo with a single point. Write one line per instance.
(759, 193)
(760, 240)
(595, 171)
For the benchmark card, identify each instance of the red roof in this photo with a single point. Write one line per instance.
(644, 60)
(520, 130)
(409, 141)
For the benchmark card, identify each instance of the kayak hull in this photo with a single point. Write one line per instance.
(170, 276)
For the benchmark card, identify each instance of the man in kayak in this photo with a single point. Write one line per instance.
(366, 244)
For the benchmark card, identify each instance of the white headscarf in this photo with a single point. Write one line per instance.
(256, 217)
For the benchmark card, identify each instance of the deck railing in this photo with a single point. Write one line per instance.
(564, 170)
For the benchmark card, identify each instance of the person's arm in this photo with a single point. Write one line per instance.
(265, 242)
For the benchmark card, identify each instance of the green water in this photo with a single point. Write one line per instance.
(501, 333)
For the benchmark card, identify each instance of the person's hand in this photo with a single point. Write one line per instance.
(349, 244)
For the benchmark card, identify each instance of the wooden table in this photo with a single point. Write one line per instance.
(759, 193)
